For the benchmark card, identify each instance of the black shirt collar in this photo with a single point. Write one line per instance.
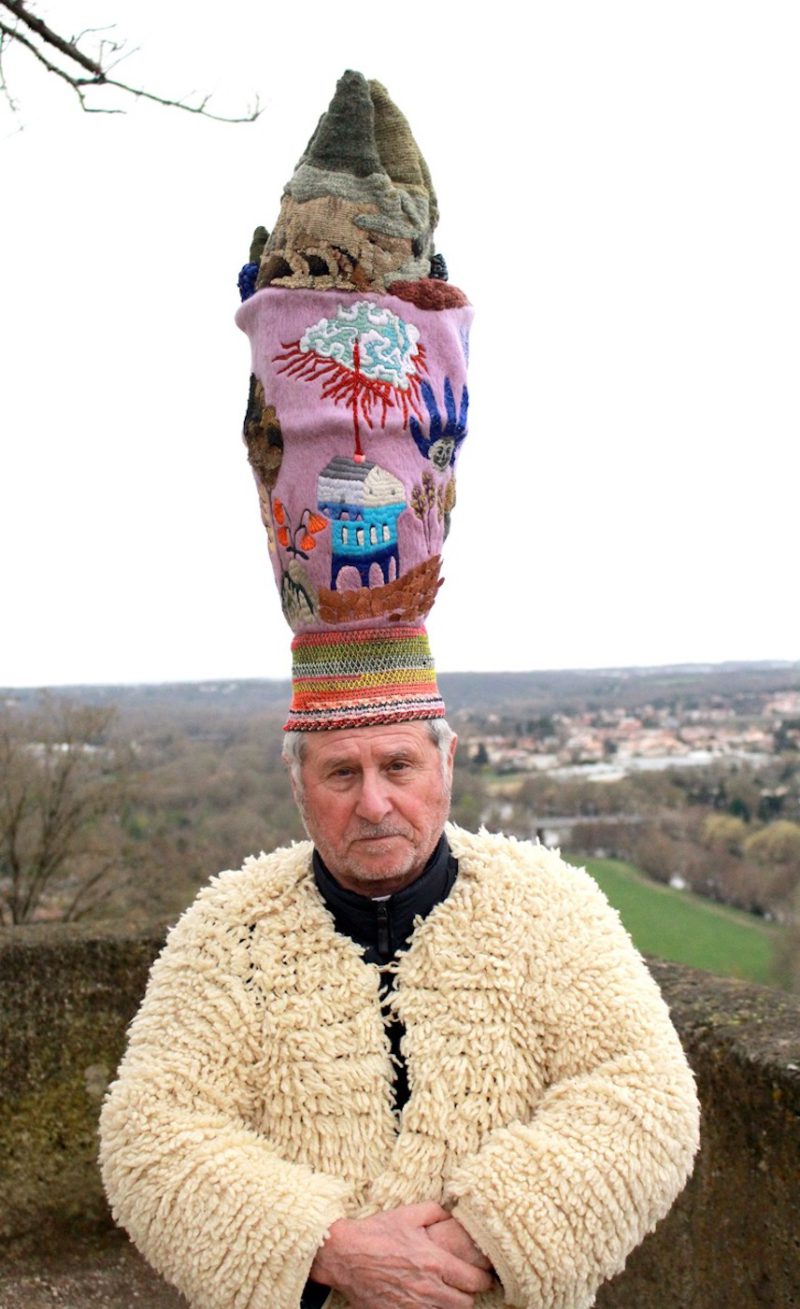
(384, 927)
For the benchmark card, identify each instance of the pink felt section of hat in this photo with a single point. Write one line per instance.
(370, 446)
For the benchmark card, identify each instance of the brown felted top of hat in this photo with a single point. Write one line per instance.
(359, 212)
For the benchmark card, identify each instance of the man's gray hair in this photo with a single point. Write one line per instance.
(293, 749)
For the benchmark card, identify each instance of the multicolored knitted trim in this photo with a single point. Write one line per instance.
(362, 678)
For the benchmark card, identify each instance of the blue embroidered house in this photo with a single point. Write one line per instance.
(363, 502)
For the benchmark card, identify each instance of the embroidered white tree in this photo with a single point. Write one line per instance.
(368, 359)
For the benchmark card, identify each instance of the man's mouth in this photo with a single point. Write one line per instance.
(382, 836)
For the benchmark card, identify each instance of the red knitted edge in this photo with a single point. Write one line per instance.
(375, 718)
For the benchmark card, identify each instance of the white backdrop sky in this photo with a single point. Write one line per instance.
(620, 199)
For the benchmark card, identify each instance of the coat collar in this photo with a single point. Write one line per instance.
(384, 926)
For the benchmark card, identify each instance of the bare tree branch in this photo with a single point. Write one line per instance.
(80, 63)
(90, 31)
(201, 108)
(68, 48)
(9, 99)
(63, 782)
(12, 34)
(91, 884)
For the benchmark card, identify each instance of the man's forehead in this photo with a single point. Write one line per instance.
(352, 742)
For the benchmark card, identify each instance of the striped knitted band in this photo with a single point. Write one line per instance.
(362, 678)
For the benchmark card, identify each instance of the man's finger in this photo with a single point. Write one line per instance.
(451, 1236)
(423, 1215)
(462, 1276)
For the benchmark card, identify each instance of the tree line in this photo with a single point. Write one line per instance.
(124, 812)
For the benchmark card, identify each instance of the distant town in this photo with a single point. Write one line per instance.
(610, 742)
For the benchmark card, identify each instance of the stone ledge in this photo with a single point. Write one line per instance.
(86, 1270)
(732, 1240)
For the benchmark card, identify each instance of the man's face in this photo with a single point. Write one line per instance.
(374, 801)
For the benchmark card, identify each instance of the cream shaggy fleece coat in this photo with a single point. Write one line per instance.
(551, 1108)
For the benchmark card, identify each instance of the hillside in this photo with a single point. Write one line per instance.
(685, 928)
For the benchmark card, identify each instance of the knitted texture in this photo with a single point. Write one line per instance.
(354, 458)
(362, 678)
(551, 1104)
(358, 398)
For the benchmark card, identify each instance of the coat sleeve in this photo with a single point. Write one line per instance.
(211, 1205)
(558, 1202)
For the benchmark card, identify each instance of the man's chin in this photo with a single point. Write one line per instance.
(388, 857)
(381, 860)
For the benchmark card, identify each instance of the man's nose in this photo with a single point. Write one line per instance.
(373, 799)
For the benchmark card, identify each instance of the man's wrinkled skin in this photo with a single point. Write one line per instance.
(375, 801)
(413, 1257)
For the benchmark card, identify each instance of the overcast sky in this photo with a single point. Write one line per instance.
(620, 200)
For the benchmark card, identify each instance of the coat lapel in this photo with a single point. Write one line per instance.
(461, 997)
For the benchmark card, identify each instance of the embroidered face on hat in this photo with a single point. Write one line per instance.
(357, 412)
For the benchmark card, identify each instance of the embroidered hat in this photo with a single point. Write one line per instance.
(357, 412)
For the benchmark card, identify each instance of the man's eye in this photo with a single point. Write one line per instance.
(399, 765)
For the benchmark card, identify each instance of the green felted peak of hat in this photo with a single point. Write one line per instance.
(359, 212)
(344, 141)
(399, 152)
(259, 241)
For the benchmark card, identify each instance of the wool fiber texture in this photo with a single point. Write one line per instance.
(552, 1108)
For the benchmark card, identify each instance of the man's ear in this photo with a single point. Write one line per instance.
(453, 745)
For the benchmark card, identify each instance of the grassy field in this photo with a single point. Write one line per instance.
(684, 927)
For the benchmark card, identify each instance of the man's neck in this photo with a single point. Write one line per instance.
(358, 915)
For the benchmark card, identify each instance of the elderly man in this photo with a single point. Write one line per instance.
(399, 1066)
(257, 1145)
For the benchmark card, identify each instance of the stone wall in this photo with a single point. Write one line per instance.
(67, 996)
(732, 1240)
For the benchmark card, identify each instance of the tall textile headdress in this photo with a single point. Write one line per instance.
(357, 412)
